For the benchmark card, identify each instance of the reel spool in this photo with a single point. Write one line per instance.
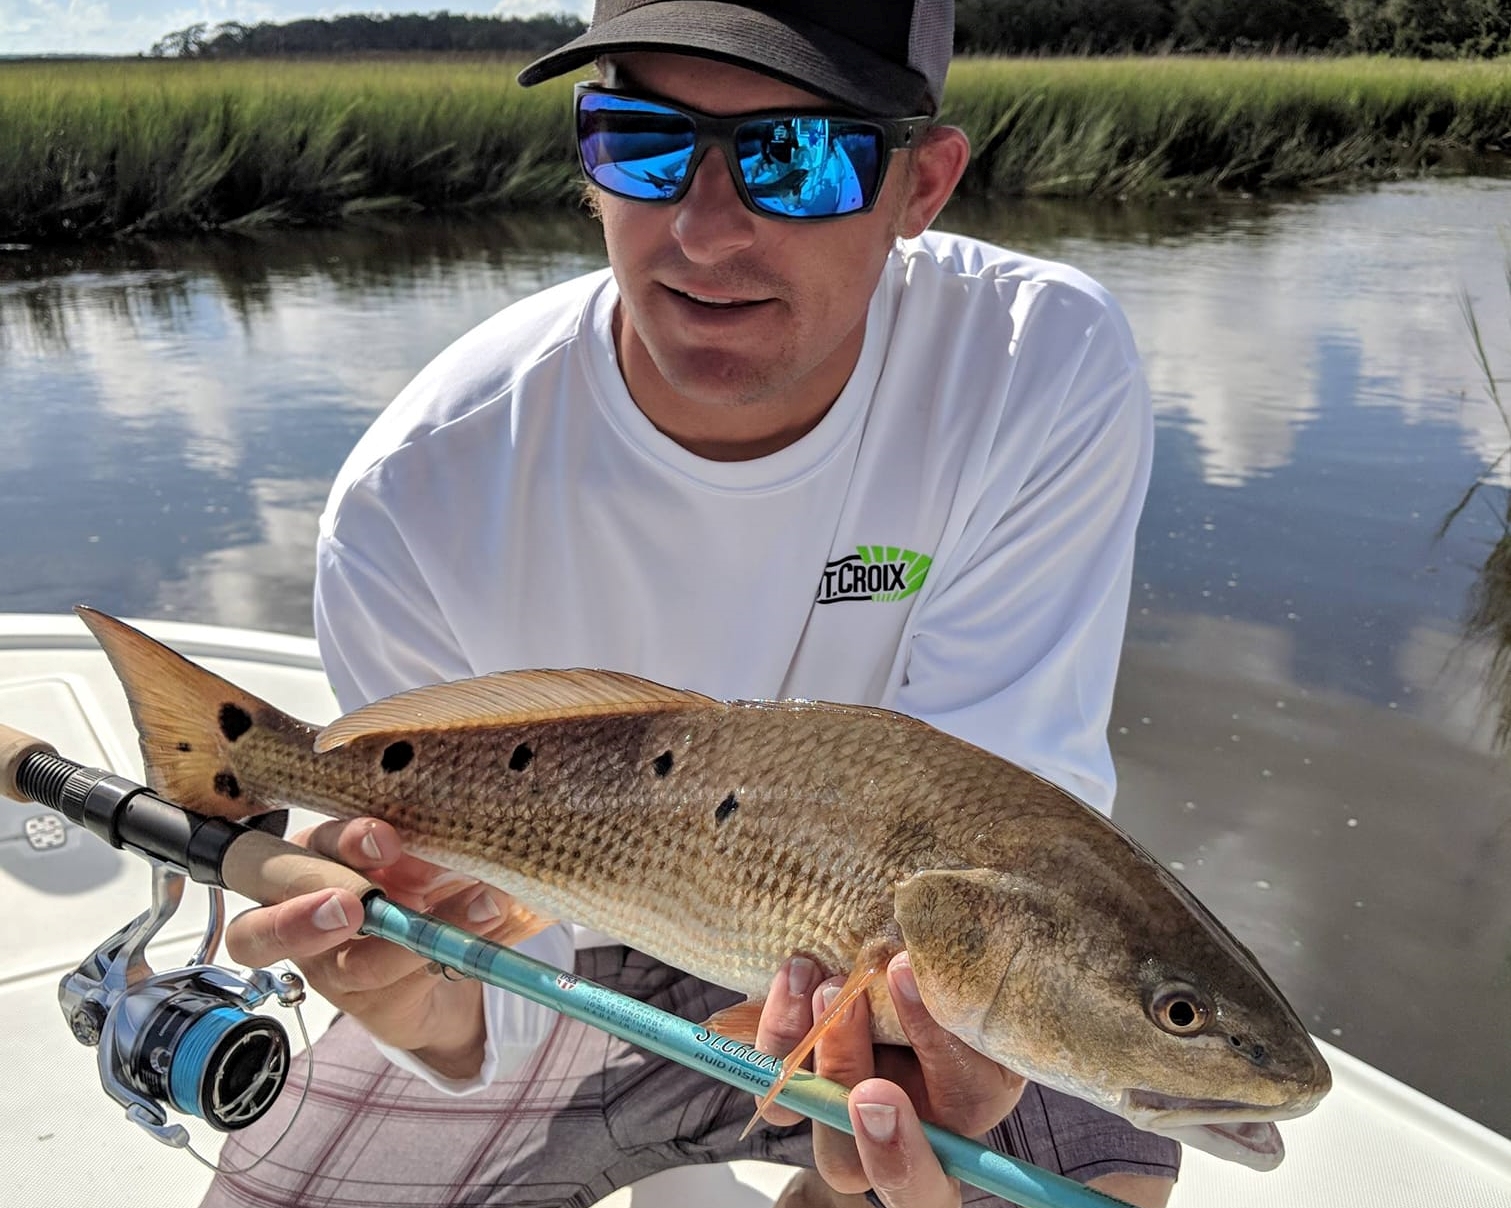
(186, 1040)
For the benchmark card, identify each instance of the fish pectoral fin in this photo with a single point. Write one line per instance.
(871, 964)
(518, 924)
(738, 1022)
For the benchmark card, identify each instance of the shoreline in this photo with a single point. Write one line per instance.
(102, 148)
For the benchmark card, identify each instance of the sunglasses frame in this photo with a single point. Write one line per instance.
(710, 130)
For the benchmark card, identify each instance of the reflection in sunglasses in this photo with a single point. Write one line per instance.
(785, 165)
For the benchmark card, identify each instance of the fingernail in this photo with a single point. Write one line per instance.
(801, 974)
(907, 984)
(878, 1119)
(827, 995)
(483, 909)
(370, 846)
(331, 916)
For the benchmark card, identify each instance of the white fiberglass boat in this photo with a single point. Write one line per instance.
(1374, 1141)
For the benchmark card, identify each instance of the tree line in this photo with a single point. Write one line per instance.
(363, 32)
(1415, 28)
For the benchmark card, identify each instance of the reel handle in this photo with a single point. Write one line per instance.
(214, 851)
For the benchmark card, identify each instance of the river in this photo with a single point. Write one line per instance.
(1305, 729)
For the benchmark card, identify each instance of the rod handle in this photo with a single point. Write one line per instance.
(15, 747)
(270, 870)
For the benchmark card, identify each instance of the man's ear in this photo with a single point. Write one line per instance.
(938, 164)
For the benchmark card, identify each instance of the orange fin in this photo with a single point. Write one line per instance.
(189, 720)
(738, 1022)
(871, 964)
(518, 924)
(507, 698)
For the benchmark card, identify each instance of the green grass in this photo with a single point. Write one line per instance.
(1132, 127)
(96, 148)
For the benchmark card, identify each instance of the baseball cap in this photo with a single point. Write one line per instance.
(887, 58)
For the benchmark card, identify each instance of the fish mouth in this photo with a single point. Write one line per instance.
(1237, 1132)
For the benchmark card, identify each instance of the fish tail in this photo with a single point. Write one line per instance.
(192, 725)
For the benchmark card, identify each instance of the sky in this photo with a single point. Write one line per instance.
(128, 27)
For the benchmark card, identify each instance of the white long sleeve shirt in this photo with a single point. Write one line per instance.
(954, 540)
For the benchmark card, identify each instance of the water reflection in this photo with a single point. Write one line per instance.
(1489, 613)
(1303, 727)
(177, 410)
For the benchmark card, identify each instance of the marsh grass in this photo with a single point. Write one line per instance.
(1135, 127)
(96, 148)
(1489, 614)
(167, 145)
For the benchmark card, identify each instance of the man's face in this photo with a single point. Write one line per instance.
(724, 307)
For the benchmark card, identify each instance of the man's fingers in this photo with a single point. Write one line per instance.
(896, 1157)
(967, 1092)
(300, 928)
(786, 1018)
(360, 843)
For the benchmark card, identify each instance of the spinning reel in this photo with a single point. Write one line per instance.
(185, 1039)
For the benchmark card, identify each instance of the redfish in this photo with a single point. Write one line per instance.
(722, 837)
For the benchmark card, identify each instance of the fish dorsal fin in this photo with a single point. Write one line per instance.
(507, 698)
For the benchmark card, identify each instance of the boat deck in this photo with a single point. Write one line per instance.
(1374, 1141)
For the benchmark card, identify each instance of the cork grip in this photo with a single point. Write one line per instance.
(14, 748)
(269, 870)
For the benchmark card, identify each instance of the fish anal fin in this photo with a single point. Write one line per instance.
(871, 964)
(738, 1022)
(507, 698)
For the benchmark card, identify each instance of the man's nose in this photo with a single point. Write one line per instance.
(711, 221)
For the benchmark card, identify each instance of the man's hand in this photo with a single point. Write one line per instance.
(944, 1079)
(389, 990)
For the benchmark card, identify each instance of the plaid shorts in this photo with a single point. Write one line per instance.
(588, 1114)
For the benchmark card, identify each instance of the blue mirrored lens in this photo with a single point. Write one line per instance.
(634, 148)
(810, 167)
(802, 166)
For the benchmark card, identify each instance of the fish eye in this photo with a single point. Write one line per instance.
(1180, 1009)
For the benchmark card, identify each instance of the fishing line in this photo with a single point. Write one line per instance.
(304, 1090)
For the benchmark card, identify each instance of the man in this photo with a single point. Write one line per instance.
(789, 445)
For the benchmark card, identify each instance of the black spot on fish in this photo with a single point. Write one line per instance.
(397, 756)
(726, 808)
(227, 785)
(662, 763)
(234, 721)
(184, 748)
(521, 758)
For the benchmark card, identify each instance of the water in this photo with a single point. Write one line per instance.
(1304, 730)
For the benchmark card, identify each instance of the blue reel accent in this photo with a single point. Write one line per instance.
(191, 1058)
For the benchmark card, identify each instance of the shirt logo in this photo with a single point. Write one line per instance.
(880, 573)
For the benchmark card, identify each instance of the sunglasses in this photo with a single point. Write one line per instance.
(786, 163)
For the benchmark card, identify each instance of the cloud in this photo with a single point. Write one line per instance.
(129, 27)
(539, 8)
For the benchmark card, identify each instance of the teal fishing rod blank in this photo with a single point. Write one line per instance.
(699, 1048)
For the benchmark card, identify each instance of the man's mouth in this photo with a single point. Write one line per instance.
(714, 303)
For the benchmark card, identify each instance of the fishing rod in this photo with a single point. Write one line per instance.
(189, 1038)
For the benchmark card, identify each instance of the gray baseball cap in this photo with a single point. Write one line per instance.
(883, 57)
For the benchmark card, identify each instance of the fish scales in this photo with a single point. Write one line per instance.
(802, 861)
(722, 838)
